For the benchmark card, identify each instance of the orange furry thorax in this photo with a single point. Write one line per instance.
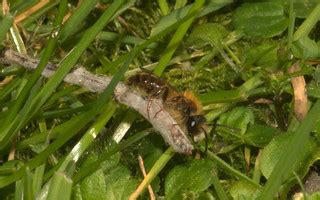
(198, 106)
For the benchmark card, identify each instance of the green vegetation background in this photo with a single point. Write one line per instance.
(234, 56)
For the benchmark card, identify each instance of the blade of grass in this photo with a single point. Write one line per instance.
(18, 6)
(180, 4)
(76, 19)
(63, 112)
(240, 94)
(17, 39)
(60, 187)
(28, 193)
(5, 26)
(164, 7)
(286, 162)
(176, 39)
(308, 24)
(111, 36)
(11, 70)
(64, 92)
(18, 193)
(5, 91)
(291, 24)
(218, 188)
(38, 179)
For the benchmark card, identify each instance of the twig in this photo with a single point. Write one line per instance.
(143, 170)
(161, 121)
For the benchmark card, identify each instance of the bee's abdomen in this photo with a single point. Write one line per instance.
(150, 84)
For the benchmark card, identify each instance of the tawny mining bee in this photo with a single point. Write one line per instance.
(183, 107)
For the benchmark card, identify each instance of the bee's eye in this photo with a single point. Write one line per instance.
(192, 124)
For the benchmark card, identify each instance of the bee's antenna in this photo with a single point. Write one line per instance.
(145, 70)
(225, 126)
(206, 138)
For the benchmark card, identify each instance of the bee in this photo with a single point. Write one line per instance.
(184, 107)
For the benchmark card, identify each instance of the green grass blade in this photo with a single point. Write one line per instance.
(18, 193)
(19, 6)
(218, 188)
(5, 25)
(76, 18)
(164, 7)
(60, 187)
(27, 182)
(5, 91)
(176, 39)
(308, 24)
(38, 179)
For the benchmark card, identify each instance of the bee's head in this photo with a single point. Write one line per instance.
(195, 123)
(197, 127)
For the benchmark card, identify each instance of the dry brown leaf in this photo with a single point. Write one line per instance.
(300, 94)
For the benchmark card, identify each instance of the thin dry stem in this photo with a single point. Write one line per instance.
(143, 170)
(30, 11)
(5, 7)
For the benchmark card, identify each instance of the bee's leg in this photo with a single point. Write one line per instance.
(181, 127)
(155, 115)
(145, 70)
(173, 125)
(155, 95)
(149, 105)
(206, 138)
(163, 92)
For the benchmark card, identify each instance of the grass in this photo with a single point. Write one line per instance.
(56, 140)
